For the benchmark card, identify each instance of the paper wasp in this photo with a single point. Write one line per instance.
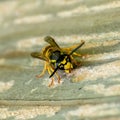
(56, 58)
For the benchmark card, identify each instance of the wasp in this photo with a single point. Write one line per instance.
(56, 58)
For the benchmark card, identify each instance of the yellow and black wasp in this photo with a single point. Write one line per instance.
(57, 58)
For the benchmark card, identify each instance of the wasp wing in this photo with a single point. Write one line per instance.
(38, 55)
(51, 41)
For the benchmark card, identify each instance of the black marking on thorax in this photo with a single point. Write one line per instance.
(59, 57)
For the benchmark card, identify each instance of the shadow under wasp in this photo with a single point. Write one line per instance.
(56, 58)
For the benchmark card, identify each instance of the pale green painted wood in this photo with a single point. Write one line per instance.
(93, 87)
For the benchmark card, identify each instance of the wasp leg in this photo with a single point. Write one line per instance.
(59, 79)
(82, 56)
(57, 75)
(51, 83)
(52, 79)
(75, 63)
(77, 54)
(69, 48)
(73, 48)
(43, 72)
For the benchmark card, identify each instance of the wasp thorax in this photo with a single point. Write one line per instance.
(61, 60)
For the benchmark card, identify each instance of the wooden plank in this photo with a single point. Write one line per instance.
(93, 87)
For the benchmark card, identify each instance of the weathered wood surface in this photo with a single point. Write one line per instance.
(89, 92)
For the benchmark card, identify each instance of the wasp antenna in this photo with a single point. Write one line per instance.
(81, 44)
(53, 72)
